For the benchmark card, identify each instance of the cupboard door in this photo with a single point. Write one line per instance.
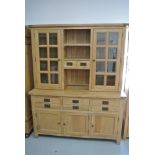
(103, 125)
(75, 123)
(48, 121)
(106, 59)
(48, 59)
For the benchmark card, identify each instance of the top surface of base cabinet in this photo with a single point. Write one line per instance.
(84, 57)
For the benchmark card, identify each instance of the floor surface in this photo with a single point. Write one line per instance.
(50, 145)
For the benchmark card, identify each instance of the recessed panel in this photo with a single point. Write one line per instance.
(54, 78)
(54, 66)
(43, 52)
(99, 79)
(42, 39)
(100, 53)
(113, 38)
(43, 65)
(101, 38)
(112, 53)
(111, 66)
(100, 66)
(44, 78)
(53, 52)
(53, 38)
(111, 80)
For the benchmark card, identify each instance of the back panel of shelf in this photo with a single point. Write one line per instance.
(76, 36)
(76, 79)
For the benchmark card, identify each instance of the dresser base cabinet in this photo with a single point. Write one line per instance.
(84, 117)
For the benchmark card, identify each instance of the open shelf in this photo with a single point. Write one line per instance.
(77, 37)
(76, 79)
(77, 52)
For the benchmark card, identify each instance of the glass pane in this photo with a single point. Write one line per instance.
(42, 39)
(112, 53)
(100, 66)
(54, 78)
(43, 52)
(53, 52)
(113, 38)
(110, 80)
(53, 38)
(99, 79)
(101, 38)
(53, 65)
(43, 65)
(111, 66)
(44, 78)
(100, 53)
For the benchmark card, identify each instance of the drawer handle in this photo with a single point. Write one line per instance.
(83, 64)
(105, 102)
(64, 123)
(69, 64)
(75, 101)
(47, 105)
(59, 123)
(75, 107)
(104, 109)
(46, 100)
(92, 125)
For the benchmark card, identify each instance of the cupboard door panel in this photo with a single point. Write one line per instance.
(48, 121)
(104, 125)
(75, 123)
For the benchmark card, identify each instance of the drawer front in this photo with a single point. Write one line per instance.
(47, 105)
(104, 105)
(70, 64)
(46, 102)
(39, 99)
(76, 104)
(83, 64)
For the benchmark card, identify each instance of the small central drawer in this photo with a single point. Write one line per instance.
(70, 64)
(75, 104)
(83, 64)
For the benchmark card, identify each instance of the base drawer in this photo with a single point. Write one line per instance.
(99, 105)
(76, 104)
(40, 99)
(48, 105)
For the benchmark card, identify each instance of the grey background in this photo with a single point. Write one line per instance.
(76, 11)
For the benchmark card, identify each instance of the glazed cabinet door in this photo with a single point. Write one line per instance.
(106, 59)
(75, 123)
(103, 125)
(48, 121)
(47, 58)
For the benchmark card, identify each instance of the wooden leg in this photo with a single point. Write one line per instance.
(36, 134)
(118, 140)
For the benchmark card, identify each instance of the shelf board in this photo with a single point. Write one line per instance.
(77, 68)
(77, 44)
(77, 87)
(76, 59)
